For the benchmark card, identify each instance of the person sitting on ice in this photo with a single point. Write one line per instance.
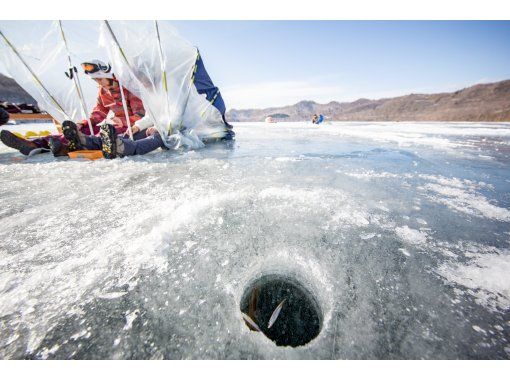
(111, 135)
(109, 101)
(146, 136)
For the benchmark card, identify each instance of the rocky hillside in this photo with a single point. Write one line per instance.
(482, 102)
(11, 92)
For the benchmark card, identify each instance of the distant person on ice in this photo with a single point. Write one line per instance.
(317, 119)
(109, 101)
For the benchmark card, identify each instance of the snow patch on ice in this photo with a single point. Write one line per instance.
(111, 295)
(478, 329)
(462, 195)
(130, 318)
(46, 352)
(411, 236)
(367, 236)
(349, 216)
(486, 274)
(368, 174)
(85, 333)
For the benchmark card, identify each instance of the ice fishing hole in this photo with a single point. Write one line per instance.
(282, 309)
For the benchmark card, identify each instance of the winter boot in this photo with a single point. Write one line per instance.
(71, 133)
(57, 147)
(229, 131)
(108, 141)
(12, 141)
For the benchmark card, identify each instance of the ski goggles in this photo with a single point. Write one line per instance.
(92, 68)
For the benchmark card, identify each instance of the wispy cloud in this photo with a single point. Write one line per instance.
(282, 93)
(275, 94)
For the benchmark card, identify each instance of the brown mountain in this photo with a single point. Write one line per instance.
(10, 91)
(482, 102)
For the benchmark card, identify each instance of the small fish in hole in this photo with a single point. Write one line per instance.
(275, 314)
(251, 323)
(282, 309)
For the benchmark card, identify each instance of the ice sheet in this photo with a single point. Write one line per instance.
(400, 230)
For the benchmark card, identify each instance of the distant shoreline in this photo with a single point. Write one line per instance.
(488, 102)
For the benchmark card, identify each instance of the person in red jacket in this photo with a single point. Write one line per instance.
(110, 100)
(108, 108)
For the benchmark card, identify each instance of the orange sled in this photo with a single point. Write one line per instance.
(87, 154)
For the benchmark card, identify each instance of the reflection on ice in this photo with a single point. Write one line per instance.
(399, 230)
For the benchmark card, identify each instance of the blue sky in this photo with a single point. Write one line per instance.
(274, 63)
(265, 63)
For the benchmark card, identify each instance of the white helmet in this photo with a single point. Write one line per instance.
(97, 69)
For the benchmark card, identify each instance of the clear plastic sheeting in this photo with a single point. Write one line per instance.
(36, 57)
(160, 70)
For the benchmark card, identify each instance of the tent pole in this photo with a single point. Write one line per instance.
(76, 80)
(124, 105)
(163, 70)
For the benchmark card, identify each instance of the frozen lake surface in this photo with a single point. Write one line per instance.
(400, 231)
